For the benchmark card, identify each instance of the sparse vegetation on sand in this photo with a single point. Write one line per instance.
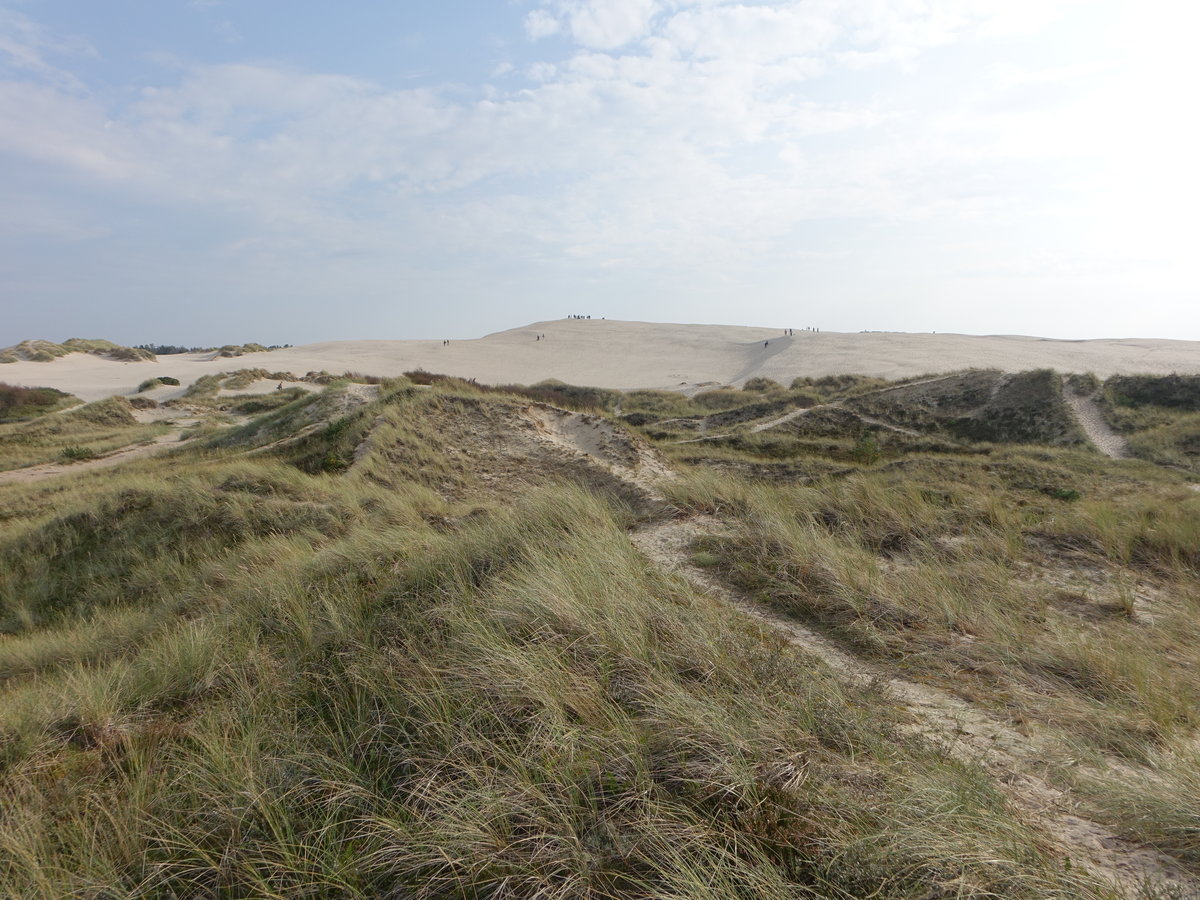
(151, 383)
(48, 351)
(428, 639)
(207, 388)
(226, 350)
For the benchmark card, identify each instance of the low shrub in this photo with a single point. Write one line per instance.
(22, 402)
(759, 384)
(1175, 391)
(866, 450)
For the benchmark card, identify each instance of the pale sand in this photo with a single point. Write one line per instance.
(634, 355)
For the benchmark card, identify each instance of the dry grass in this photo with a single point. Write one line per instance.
(242, 674)
(90, 430)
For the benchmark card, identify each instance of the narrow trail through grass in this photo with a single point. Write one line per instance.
(448, 642)
(1099, 432)
(962, 729)
(793, 414)
(786, 417)
(125, 454)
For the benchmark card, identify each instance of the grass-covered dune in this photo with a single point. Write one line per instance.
(1160, 417)
(18, 403)
(407, 640)
(48, 351)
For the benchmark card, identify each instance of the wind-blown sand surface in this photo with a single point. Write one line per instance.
(634, 355)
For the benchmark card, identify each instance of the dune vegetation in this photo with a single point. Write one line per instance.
(423, 638)
(48, 351)
(81, 432)
(19, 403)
(1160, 417)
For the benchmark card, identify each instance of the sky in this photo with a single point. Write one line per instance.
(286, 171)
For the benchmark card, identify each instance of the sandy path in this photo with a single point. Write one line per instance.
(797, 413)
(899, 429)
(965, 731)
(352, 397)
(52, 470)
(628, 458)
(786, 417)
(939, 717)
(1091, 420)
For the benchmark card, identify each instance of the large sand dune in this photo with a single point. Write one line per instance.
(635, 355)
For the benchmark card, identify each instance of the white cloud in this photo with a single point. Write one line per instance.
(540, 24)
(26, 46)
(599, 24)
(680, 136)
(696, 147)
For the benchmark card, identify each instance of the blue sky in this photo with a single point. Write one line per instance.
(231, 170)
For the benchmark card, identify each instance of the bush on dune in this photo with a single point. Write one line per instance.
(17, 403)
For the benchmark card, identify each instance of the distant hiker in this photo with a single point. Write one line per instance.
(765, 344)
(280, 387)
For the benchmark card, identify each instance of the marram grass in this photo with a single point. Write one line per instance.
(240, 674)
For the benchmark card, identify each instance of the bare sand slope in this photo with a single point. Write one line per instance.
(637, 355)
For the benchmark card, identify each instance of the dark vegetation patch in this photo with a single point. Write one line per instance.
(151, 383)
(1181, 392)
(981, 405)
(749, 412)
(227, 349)
(20, 403)
(804, 469)
(1159, 415)
(137, 545)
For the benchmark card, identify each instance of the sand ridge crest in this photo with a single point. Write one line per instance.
(629, 355)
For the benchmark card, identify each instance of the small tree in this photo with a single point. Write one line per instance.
(866, 450)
